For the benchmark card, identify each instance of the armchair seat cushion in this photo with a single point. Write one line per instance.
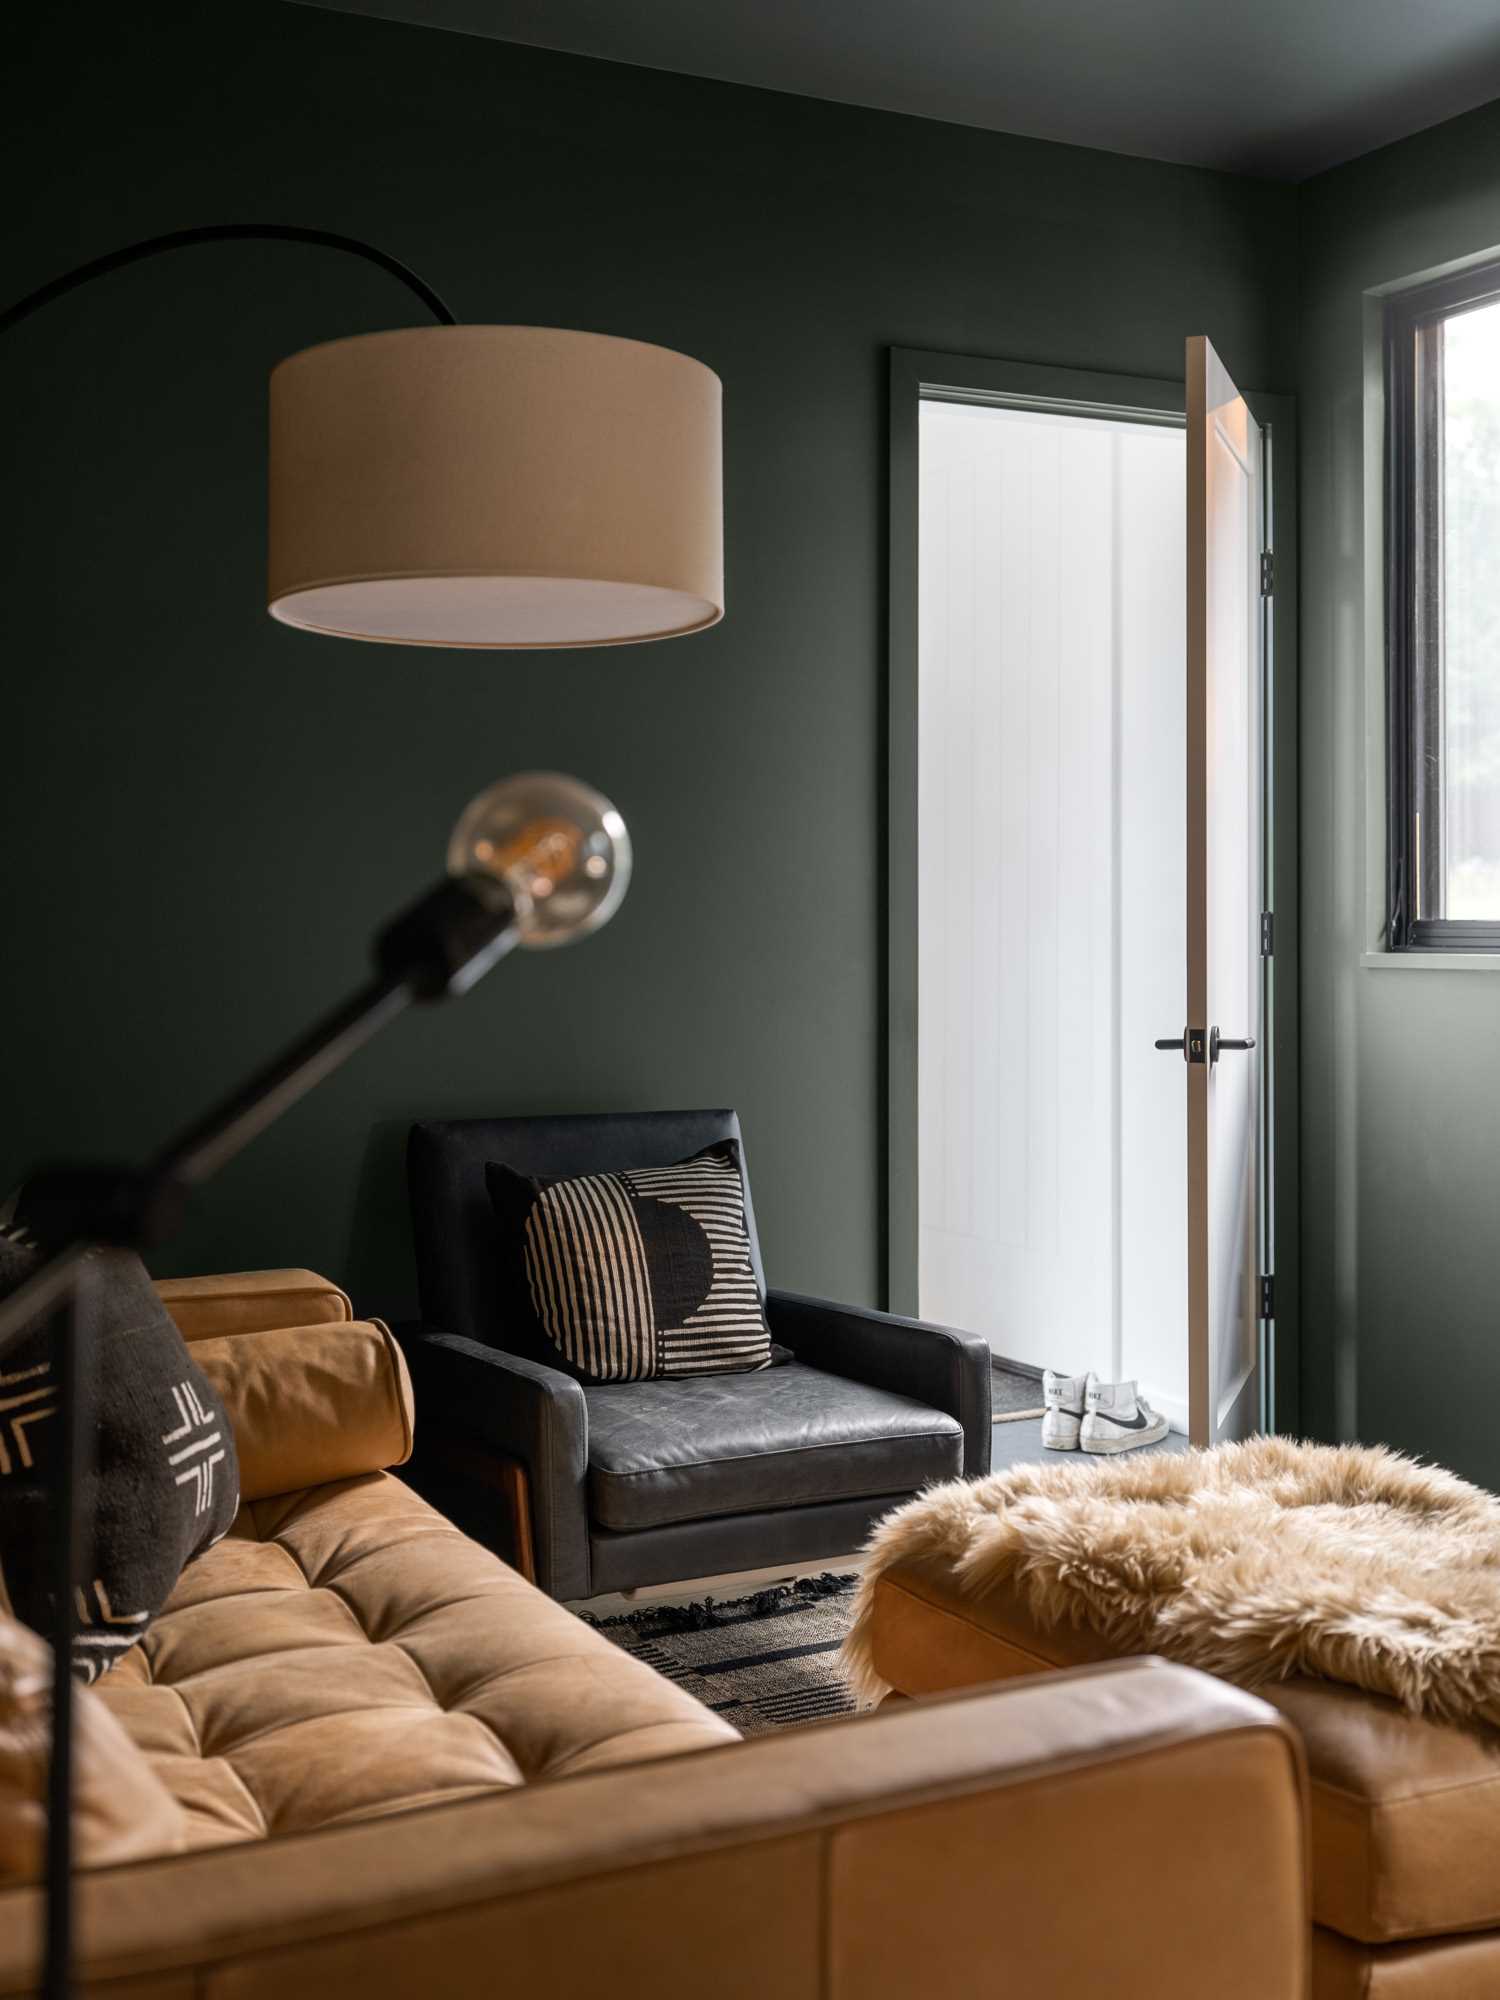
(684, 1450)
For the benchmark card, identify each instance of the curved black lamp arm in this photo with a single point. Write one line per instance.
(436, 948)
(225, 232)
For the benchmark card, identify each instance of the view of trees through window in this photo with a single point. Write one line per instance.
(1470, 727)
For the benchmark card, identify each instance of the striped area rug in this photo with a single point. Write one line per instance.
(763, 1662)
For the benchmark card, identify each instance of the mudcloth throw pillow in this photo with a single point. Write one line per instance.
(164, 1483)
(636, 1274)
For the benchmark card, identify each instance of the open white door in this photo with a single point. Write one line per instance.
(1224, 1040)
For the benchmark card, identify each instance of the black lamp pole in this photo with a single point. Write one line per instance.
(439, 947)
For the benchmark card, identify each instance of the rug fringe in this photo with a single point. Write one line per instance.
(662, 1619)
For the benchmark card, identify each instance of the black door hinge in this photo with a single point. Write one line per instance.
(1267, 934)
(1267, 573)
(1267, 1295)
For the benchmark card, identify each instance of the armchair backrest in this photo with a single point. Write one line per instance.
(453, 1224)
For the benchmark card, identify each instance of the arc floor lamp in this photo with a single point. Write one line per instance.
(475, 486)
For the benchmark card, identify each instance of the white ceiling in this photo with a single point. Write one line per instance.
(1281, 88)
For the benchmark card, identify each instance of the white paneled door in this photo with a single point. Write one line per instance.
(1090, 883)
(1225, 896)
(1051, 942)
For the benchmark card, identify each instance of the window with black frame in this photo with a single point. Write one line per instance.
(1443, 524)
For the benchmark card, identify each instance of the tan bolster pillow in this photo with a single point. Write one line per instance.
(121, 1810)
(251, 1301)
(311, 1403)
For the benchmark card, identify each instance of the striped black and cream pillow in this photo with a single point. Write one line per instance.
(642, 1273)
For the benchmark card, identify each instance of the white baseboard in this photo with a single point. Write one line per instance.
(1173, 1408)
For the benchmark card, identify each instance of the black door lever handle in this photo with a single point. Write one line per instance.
(1229, 1042)
(1189, 1044)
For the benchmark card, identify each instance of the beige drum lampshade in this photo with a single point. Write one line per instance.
(496, 486)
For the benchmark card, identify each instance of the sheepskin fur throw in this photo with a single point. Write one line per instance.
(1254, 1561)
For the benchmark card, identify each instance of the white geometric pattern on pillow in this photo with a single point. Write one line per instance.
(162, 1482)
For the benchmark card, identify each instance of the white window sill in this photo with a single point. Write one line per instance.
(1431, 961)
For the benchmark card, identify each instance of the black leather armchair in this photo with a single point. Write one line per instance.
(620, 1484)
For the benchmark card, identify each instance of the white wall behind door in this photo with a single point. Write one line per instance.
(1051, 805)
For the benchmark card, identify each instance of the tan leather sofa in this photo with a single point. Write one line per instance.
(386, 1766)
(1404, 1813)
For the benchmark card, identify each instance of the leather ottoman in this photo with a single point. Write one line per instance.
(1405, 1813)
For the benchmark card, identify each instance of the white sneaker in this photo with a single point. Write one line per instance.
(1117, 1419)
(1064, 1398)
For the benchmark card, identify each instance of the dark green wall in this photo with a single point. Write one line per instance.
(1400, 1067)
(206, 814)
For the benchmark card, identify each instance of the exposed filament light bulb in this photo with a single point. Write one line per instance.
(559, 848)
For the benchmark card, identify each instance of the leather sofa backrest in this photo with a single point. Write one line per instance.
(252, 1301)
(453, 1223)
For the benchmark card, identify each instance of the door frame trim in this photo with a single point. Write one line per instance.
(915, 374)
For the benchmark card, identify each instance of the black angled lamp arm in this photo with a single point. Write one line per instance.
(437, 948)
(537, 859)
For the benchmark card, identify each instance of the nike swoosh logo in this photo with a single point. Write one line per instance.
(1135, 1423)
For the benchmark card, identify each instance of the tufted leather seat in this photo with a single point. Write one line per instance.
(344, 1652)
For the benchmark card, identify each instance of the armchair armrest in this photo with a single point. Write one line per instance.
(935, 1365)
(515, 1409)
(935, 1849)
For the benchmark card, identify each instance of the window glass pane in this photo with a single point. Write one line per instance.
(1470, 695)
